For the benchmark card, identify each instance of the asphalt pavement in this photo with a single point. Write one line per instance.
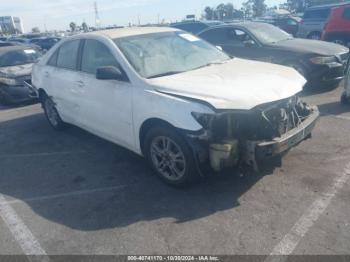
(73, 193)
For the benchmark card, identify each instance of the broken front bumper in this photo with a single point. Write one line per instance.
(265, 150)
(18, 93)
(226, 153)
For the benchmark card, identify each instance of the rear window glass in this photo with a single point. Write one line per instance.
(321, 14)
(19, 57)
(193, 28)
(53, 59)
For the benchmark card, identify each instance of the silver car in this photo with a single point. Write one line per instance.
(313, 22)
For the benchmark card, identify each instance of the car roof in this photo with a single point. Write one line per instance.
(246, 25)
(206, 22)
(131, 31)
(5, 49)
(326, 6)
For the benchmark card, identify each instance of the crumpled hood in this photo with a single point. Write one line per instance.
(312, 47)
(16, 71)
(237, 84)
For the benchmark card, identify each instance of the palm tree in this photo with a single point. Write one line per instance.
(73, 26)
(85, 27)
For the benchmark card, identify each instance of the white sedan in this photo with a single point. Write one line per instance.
(173, 98)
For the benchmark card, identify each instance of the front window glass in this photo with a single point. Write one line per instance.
(161, 54)
(19, 57)
(269, 34)
(96, 55)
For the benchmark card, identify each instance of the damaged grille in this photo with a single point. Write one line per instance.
(264, 122)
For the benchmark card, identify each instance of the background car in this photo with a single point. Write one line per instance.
(290, 24)
(18, 40)
(337, 27)
(4, 43)
(15, 69)
(317, 61)
(195, 27)
(313, 22)
(45, 43)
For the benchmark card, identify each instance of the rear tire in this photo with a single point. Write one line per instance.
(344, 99)
(170, 156)
(51, 114)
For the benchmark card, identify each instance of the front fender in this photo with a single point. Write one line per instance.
(151, 104)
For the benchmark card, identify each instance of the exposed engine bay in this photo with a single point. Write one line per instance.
(247, 137)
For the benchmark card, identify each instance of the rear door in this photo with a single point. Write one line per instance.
(65, 81)
(107, 104)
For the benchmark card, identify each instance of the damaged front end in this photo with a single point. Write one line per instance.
(233, 138)
(16, 89)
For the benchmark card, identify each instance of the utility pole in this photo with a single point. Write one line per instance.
(97, 17)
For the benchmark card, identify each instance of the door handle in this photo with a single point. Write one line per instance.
(80, 83)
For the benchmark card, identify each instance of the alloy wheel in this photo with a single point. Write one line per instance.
(51, 112)
(168, 158)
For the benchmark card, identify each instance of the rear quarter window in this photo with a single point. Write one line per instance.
(53, 59)
(68, 54)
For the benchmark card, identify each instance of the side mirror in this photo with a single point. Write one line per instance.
(249, 43)
(110, 73)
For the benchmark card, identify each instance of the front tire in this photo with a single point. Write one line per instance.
(170, 156)
(52, 115)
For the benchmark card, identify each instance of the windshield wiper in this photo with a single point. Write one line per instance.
(166, 74)
(212, 63)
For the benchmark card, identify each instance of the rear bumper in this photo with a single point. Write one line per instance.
(278, 146)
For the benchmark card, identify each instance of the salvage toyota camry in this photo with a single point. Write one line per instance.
(173, 98)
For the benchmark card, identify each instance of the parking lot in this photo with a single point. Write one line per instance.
(73, 193)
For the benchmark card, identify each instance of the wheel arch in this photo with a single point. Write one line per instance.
(147, 125)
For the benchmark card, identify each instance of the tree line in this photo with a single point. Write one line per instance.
(256, 8)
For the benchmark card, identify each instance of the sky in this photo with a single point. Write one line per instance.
(57, 14)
